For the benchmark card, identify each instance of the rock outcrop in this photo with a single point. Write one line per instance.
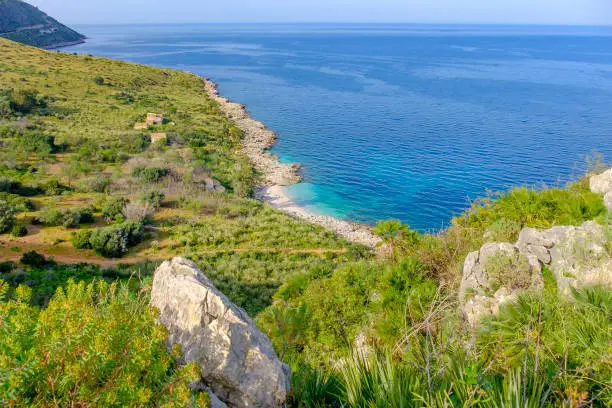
(483, 289)
(602, 184)
(576, 255)
(237, 361)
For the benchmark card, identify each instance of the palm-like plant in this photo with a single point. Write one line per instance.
(393, 233)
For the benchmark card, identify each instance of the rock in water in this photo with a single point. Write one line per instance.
(236, 360)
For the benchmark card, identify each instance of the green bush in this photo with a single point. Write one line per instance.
(114, 241)
(34, 259)
(69, 218)
(9, 184)
(37, 142)
(6, 266)
(153, 198)
(95, 345)
(134, 143)
(148, 175)
(53, 187)
(113, 208)
(25, 100)
(537, 209)
(19, 231)
(98, 80)
(19, 204)
(93, 184)
(80, 239)
(7, 216)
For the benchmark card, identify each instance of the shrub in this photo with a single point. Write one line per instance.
(25, 100)
(94, 345)
(503, 230)
(19, 231)
(53, 187)
(94, 184)
(6, 266)
(37, 142)
(114, 241)
(9, 184)
(508, 270)
(19, 204)
(69, 218)
(135, 143)
(538, 209)
(98, 80)
(153, 198)
(149, 175)
(7, 217)
(34, 259)
(113, 208)
(80, 239)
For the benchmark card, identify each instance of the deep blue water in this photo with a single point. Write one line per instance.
(401, 121)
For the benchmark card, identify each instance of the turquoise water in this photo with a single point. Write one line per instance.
(401, 121)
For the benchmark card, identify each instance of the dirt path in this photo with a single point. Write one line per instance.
(97, 260)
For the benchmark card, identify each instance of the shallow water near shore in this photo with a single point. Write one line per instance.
(401, 121)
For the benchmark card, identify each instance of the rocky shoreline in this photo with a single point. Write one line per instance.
(275, 175)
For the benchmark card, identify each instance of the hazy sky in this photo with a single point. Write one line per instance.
(424, 11)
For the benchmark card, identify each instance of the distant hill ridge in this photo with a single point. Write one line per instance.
(24, 23)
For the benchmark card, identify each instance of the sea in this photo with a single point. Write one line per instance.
(401, 121)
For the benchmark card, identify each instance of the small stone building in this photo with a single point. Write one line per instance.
(154, 119)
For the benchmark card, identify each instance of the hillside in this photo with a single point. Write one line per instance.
(109, 168)
(24, 23)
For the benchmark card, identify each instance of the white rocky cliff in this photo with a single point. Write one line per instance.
(237, 361)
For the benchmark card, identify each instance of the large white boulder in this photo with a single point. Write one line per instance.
(602, 184)
(237, 360)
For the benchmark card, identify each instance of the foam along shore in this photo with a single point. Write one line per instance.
(275, 175)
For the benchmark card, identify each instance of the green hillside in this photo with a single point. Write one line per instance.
(24, 23)
(92, 200)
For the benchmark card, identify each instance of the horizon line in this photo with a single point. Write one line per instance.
(490, 24)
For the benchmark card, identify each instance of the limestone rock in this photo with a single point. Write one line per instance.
(237, 360)
(608, 200)
(601, 183)
(478, 297)
(580, 259)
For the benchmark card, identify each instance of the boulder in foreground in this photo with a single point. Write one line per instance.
(237, 361)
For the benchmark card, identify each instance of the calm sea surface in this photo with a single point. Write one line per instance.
(401, 121)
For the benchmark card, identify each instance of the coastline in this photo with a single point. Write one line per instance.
(258, 139)
(64, 45)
